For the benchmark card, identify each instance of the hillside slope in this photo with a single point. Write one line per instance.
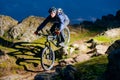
(20, 55)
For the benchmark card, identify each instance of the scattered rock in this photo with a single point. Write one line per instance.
(66, 73)
(92, 43)
(81, 58)
(74, 45)
(43, 76)
(72, 50)
(63, 50)
(83, 47)
(101, 49)
(69, 73)
(79, 47)
(96, 49)
(66, 61)
(3, 56)
(61, 73)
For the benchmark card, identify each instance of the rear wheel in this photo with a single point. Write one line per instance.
(66, 35)
(47, 58)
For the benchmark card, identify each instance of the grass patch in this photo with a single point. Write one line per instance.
(7, 49)
(102, 39)
(92, 69)
(81, 35)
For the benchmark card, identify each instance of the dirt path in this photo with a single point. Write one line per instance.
(27, 76)
(30, 74)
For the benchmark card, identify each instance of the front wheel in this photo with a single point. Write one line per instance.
(47, 58)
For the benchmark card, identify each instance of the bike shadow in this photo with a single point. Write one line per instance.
(27, 55)
(5, 43)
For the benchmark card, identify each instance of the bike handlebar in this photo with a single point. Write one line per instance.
(47, 34)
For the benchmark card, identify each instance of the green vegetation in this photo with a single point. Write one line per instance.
(104, 39)
(81, 34)
(92, 69)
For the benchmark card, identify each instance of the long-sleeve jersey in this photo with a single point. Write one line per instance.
(61, 19)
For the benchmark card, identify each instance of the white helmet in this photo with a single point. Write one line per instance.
(59, 10)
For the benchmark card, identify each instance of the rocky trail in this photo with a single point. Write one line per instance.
(79, 46)
(85, 51)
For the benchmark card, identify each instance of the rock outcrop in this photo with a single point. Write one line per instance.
(106, 21)
(6, 23)
(25, 30)
(114, 46)
(112, 33)
(22, 31)
(113, 68)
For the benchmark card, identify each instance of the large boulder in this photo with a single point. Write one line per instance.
(6, 23)
(67, 73)
(114, 46)
(24, 31)
(113, 68)
(81, 58)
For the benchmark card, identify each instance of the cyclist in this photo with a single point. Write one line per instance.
(60, 21)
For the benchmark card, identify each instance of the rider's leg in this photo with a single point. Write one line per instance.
(52, 30)
(62, 36)
(62, 39)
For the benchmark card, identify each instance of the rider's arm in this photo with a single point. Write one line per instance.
(43, 23)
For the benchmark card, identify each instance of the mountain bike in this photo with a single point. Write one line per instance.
(48, 55)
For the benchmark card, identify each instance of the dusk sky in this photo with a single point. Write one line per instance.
(77, 10)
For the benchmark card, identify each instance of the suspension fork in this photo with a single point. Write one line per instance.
(47, 44)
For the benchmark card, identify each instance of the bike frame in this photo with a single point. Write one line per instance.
(50, 38)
